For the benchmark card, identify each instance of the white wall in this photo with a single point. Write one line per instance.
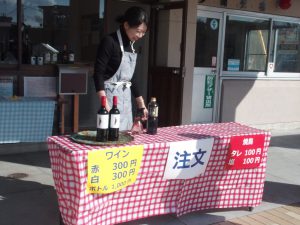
(253, 6)
(264, 103)
(189, 62)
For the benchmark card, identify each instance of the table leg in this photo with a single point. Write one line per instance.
(61, 122)
(76, 114)
(61, 222)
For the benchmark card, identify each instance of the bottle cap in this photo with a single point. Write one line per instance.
(115, 100)
(103, 101)
(153, 99)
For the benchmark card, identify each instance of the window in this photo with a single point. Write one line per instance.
(256, 51)
(44, 22)
(206, 41)
(8, 32)
(246, 44)
(285, 48)
(49, 26)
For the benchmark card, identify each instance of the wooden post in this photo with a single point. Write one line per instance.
(76, 113)
(62, 114)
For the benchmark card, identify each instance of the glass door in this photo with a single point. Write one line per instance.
(206, 66)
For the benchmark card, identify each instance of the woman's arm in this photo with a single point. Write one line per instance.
(141, 104)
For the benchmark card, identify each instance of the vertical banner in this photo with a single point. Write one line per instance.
(110, 170)
(188, 159)
(209, 91)
(245, 152)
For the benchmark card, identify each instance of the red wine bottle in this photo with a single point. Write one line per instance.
(152, 121)
(102, 122)
(114, 121)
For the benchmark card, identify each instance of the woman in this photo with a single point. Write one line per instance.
(115, 65)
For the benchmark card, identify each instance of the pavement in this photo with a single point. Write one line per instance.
(28, 197)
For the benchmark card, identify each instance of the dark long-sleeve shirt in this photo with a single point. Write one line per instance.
(108, 60)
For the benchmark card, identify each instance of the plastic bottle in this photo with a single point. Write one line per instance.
(152, 121)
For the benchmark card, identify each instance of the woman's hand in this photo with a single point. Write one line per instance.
(141, 105)
(145, 117)
(100, 94)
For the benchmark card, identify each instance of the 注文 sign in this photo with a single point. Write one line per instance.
(245, 152)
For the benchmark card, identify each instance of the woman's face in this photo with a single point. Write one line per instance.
(135, 33)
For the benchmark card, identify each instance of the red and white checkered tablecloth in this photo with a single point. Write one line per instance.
(151, 195)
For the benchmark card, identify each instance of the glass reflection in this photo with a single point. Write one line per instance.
(285, 49)
(8, 31)
(246, 44)
(51, 27)
(39, 12)
(46, 24)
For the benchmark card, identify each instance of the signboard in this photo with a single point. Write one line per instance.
(233, 65)
(72, 80)
(209, 91)
(110, 170)
(214, 24)
(188, 159)
(270, 68)
(40, 86)
(245, 152)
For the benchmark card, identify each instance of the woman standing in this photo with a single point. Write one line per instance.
(115, 65)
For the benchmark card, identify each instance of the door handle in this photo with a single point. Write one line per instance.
(175, 71)
(214, 71)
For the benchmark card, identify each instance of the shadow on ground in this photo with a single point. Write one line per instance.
(27, 203)
(40, 159)
(281, 193)
(287, 141)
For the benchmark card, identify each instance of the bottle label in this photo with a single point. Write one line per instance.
(115, 121)
(54, 57)
(33, 60)
(40, 60)
(47, 57)
(102, 121)
(153, 112)
(71, 57)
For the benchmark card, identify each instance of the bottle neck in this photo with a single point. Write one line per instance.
(115, 101)
(103, 101)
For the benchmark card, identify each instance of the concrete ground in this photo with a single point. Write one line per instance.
(27, 194)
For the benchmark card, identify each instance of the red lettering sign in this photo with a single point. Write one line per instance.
(245, 152)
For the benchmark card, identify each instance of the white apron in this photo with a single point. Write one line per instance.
(119, 85)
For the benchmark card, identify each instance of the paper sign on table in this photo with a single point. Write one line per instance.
(245, 152)
(188, 159)
(110, 170)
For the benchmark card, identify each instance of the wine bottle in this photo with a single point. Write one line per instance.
(71, 56)
(64, 55)
(102, 122)
(114, 121)
(152, 121)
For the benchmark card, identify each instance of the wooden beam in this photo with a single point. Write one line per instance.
(76, 113)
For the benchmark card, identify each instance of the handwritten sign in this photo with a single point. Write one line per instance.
(245, 152)
(110, 170)
(188, 159)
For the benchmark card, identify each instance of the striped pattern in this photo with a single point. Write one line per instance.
(151, 195)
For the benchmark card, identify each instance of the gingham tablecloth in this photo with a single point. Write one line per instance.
(26, 119)
(150, 195)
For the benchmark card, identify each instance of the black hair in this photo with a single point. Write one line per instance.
(134, 16)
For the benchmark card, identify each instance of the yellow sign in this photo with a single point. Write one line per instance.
(110, 170)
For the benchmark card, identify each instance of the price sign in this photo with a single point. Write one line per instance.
(110, 170)
(245, 152)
